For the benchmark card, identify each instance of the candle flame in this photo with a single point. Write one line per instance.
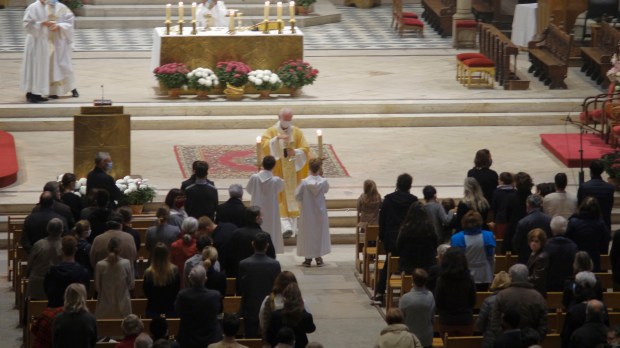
(319, 132)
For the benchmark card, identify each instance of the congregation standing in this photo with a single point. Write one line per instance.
(194, 244)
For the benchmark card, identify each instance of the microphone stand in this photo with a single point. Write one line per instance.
(582, 130)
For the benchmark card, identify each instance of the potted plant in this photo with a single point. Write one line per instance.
(173, 76)
(234, 76)
(611, 163)
(264, 81)
(296, 73)
(136, 193)
(304, 7)
(202, 80)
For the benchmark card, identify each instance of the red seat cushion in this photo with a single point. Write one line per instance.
(583, 118)
(466, 23)
(410, 15)
(616, 131)
(413, 22)
(469, 55)
(479, 63)
(596, 114)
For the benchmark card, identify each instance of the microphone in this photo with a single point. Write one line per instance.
(102, 101)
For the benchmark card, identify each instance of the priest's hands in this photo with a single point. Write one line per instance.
(54, 28)
(48, 23)
(283, 137)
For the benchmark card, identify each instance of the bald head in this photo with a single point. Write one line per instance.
(286, 115)
(594, 311)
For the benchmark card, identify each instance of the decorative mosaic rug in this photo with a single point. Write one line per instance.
(238, 161)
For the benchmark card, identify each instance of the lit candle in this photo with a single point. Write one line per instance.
(258, 151)
(168, 12)
(180, 11)
(193, 11)
(266, 10)
(291, 9)
(319, 133)
(231, 23)
(279, 10)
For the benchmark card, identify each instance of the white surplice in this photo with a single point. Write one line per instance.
(47, 54)
(264, 188)
(218, 14)
(313, 238)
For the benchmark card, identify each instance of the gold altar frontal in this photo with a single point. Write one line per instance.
(258, 50)
(101, 128)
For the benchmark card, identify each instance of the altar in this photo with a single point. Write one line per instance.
(206, 48)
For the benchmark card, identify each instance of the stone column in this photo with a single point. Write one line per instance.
(463, 11)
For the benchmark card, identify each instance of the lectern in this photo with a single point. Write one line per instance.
(101, 128)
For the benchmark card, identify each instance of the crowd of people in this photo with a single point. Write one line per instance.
(194, 244)
(449, 249)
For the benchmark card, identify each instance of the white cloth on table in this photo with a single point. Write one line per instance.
(524, 24)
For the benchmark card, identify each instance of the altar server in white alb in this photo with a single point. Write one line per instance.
(313, 239)
(216, 9)
(47, 68)
(264, 188)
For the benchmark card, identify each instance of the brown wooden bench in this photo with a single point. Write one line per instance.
(498, 47)
(597, 59)
(549, 56)
(438, 14)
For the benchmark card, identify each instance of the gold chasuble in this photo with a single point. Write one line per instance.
(292, 169)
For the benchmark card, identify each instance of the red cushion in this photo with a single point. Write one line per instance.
(479, 63)
(410, 15)
(616, 131)
(414, 22)
(596, 114)
(583, 117)
(469, 55)
(466, 23)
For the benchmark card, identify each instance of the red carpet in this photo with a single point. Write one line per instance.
(566, 148)
(8, 160)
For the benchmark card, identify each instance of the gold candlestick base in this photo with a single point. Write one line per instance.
(180, 27)
(167, 27)
(194, 32)
(280, 26)
(266, 29)
(292, 22)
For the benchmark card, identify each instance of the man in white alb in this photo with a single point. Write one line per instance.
(264, 188)
(216, 10)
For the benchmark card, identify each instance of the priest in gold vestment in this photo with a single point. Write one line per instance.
(288, 145)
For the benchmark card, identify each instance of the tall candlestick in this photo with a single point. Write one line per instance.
(180, 11)
(193, 11)
(168, 12)
(291, 9)
(258, 152)
(319, 133)
(279, 10)
(231, 23)
(266, 10)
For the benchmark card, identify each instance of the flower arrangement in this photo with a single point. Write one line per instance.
(264, 80)
(611, 163)
(305, 3)
(297, 73)
(232, 73)
(202, 79)
(73, 4)
(172, 75)
(135, 191)
(613, 74)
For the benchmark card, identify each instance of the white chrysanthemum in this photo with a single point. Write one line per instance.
(59, 178)
(208, 83)
(77, 193)
(258, 82)
(202, 81)
(83, 190)
(274, 79)
(190, 75)
(82, 181)
(120, 181)
(127, 178)
(266, 78)
(132, 186)
(120, 186)
(127, 191)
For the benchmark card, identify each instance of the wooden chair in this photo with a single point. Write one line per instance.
(462, 342)
(403, 23)
(612, 301)
(552, 341)
(605, 263)
(554, 300)
(379, 264)
(231, 286)
(607, 281)
(232, 304)
(394, 281)
(251, 342)
(369, 251)
(407, 284)
(397, 7)
(480, 297)
(360, 231)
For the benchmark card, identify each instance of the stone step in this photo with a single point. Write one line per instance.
(305, 121)
(188, 3)
(248, 10)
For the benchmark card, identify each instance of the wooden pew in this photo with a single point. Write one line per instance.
(597, 59)
(438, 14)
(549, 56)
(498, 47)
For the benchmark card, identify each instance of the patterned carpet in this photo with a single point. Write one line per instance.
(367, 29)
(239, 161)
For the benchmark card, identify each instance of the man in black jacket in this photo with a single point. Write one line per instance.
(98, 178)
(599, 189)
(233, 210)
(535, 218)
(393, 211)
(561, 254)
(201, 197)
(35, 224)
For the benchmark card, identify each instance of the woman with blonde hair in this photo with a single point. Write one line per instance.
(368, 204)
(274, 300)
(473, 199)
(162, 231)
(216, 280)
(113, 280)
(161, 284)
(75, 327)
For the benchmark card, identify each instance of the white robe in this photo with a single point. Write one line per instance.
(264, 188)
(47, 67)
(313, 239)
(218, 14)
